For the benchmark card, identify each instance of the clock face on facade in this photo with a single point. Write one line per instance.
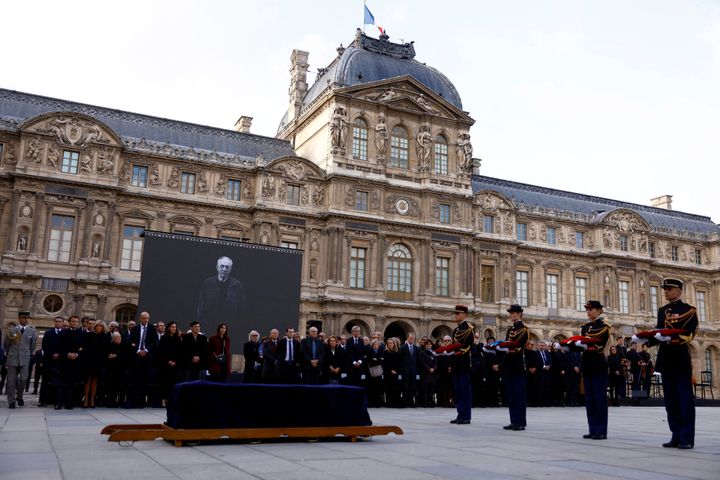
(402, 206)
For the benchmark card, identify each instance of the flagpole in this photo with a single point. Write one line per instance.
(364, 6)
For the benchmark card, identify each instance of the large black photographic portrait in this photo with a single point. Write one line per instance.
(246, 286)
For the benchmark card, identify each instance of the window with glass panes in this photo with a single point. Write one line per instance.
(444, 213)
(233, 189)
(293, 195)
(488, 224)
(399, 270)
(487, 283)
(357, 267)
(441, 156)
(700, 305)
(521, 287)
(674, 253)
(624, 296)
(187, 183)
(132, 246)
(442, 276)
(359, 141)
(551, 238)
(624, 243)
(654, 295)
(708, 360)
(521, 230)
(580, 239)
(70, 162)
(139, 176)
(61, 233)
(290, 245)
(580, 293)
(651, 249)
(698, 256)
(399, 148)
(361, 200)
(551, 290)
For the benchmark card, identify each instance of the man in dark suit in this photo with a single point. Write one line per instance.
(269, 357)
(222, 297)
(356, 350)
(532, 362)
(71, 352)
(143, 342)
(544, 375)
(51, 364)
(195, 352)
(313, 353)
(409, 368)
(622, 354)
(289, 356)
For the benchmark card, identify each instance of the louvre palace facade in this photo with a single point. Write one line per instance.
(372, 174)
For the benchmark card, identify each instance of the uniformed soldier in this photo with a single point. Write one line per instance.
(594, 370)
(463, 337)
(673, 361)
(514, 369)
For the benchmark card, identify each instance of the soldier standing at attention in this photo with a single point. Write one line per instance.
(594, 370)
(463, 337)
(514, 369)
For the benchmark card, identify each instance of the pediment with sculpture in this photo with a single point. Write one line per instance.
(491, 201)
(626, 221)
(72, 130)
(296, 169)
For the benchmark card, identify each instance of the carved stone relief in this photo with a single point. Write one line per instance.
(10, 155)
(381, 137)
(295, 170)
(318, 195)
(173, 181)
(464, 152)
(155, 175)
(86, 163)
(424, 148)
(220, 185)
(268, 188)
(106, 161)
(282, 191)
(33, 151)
(53, 157)
(338, 131)
(74, 131)
(202, 182)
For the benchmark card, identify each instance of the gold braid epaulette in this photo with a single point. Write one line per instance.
(461, 337)
(673, 322)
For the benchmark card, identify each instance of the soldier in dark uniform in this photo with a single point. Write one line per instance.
(673, 361)
(463, 337)
(594, 370)
(514, 369)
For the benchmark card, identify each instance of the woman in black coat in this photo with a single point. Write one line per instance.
(95, 346)
(115, 376)
(169, 354)
(374, 382)
(391, 373)
(427, 368)
(334, 361)
(616, 375)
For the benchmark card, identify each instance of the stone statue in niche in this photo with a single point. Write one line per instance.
(464, 152)
(22, 242)
(32, 153)
(202, 182)
(338, 129)
(381, 137)
(174, 180)
(313, 270)
(154, 175)
(95, 250)
(53, 157)
(424, 148)
(268, 188)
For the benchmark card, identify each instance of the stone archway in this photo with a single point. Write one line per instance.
(364, 327)
(397, 329)
(440, 331)
(489, 333)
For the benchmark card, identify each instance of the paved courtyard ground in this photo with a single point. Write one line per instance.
(39, 443)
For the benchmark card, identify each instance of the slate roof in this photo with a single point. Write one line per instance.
(590, 208)
(17, 107)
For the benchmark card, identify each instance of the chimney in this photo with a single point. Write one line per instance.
(664, 201)
(298, 82)
(243, 124)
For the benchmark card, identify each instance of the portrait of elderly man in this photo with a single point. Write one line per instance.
(222, 297)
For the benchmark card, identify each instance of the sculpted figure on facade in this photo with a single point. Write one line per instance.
(318, 195)
(85, 163)
(10, 155)
(423, 102)
(282, 191)
(22, 241)
(305, 195)
(73, 131)
(95, 250)
(268, 188)
(424, 148)
(155, 175)
(338, 130)
(248, 188)
(202, 182)
(32, 152)
(106, 162)
(464, 152)
(507, 223)
(295, 170)
(125, 173)
(174, 180)
(53, 157)
(220, 185)
(381, 138)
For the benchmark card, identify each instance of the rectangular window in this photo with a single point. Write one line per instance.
(233, 189)
(291, 245)
(624, 243)
(399, 275)
(488, 223)
(580, 293)
(487, 283)
(522, 232)
(698, 256)
(361, 201)
(444, 213)
(139, 176)
(674, 253)
(521, 288)
(700, 305)
(357, 267)
(551, 237)
(580, 239)
(441, 158)
(442, 276)
(61, 232)
(70, 162)
(293, 195)
(651, 249)
(398, 152)
(181, 231)
(654, 299)
(624, 298)
(551, 290)
(132, 246)
(359, 143)
(187, 183)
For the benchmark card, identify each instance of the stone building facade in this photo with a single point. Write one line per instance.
(372, 174)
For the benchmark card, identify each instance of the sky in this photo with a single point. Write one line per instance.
(617, 99)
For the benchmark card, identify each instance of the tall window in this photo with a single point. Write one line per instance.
(361, 201)
(698, 256)
(651, 249)
(125, 313)
(674, 253)
(624, 298)
(293, 194)
(441, 155)
(132, 246)
(357, 267)
(624, 243)
(551, 290)
(444, 213)
(580, 239)
(580, 293)
(70, 162)
(233, 189)
(399, 269)
(654, 299)
(139, 176)
(521, 288)
(187, 183)
(290, 245)
(708, 360)
(488, 223)
(61, 232)
(487, 283)
(522, 231)
(442, 276)
(360, 135)
(700, 305)
(399, 148)
(551, 238)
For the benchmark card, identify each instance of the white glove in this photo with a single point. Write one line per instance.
(579, 344)
(487, 350)
(639, 340)
(662, 338)
(503, 349)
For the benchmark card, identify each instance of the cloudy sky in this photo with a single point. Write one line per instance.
(611, 98)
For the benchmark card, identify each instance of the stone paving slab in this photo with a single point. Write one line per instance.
(49, 444)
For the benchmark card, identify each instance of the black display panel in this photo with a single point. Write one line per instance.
(246, 286)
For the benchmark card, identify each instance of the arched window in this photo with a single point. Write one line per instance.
(399, 148)
(125, 313)
(359, 141)
(441, 155)
(400, 268)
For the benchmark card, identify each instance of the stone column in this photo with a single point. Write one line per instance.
(468, 269)
(340, 255)
(427, 253)
(36, 234)
(332, 255)
(88, 213)
(27, 296)
(3, 297)
(101, 304)
(78, 302)
(381, 252)
(10, 242)
(109, 227)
